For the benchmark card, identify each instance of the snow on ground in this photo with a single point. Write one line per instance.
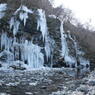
(85, 86)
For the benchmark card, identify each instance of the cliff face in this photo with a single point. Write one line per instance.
(30, 38)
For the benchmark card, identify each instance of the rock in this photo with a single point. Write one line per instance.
(60, 63)
(91, 83)
(83, 89)
(17, 67)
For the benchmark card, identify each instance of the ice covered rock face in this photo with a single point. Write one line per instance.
(64, 46)
(18, 46)
(23, 50)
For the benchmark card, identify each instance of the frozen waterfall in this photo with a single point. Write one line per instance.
(42, 25)
(23, 12)
(30, 43)
(14, 25)
(32, 55)
(65, 50)
(21, 51)
(64, 45)
(78, 53)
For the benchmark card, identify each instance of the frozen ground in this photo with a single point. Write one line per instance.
(46, 81)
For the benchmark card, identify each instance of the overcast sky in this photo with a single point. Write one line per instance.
(84, 10)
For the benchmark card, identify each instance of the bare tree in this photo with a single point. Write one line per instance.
(63, 13)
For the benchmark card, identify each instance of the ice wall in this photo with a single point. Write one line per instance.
(32, 55)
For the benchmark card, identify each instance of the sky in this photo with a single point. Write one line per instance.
(84, 10)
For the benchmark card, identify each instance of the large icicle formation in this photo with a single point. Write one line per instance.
(32, 54)
(21, 50)
(6, 44)
(65, 50)
(14, 24)
(42, 25)
(17, 45)
(24, 11)
(3, 8)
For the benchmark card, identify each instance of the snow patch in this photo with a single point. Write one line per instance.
(33, 84)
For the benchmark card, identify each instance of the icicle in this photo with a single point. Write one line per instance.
(47, 50)
(23, 8)
(32, 54)
(65, 51)
(41, 23)
(49, 45)
(14, 24)
(3, 8)
(64, 45)
(6, 45)
(23, 17)
(5, 42)
(24, 11)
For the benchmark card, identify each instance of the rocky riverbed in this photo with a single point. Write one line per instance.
(47, 81)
